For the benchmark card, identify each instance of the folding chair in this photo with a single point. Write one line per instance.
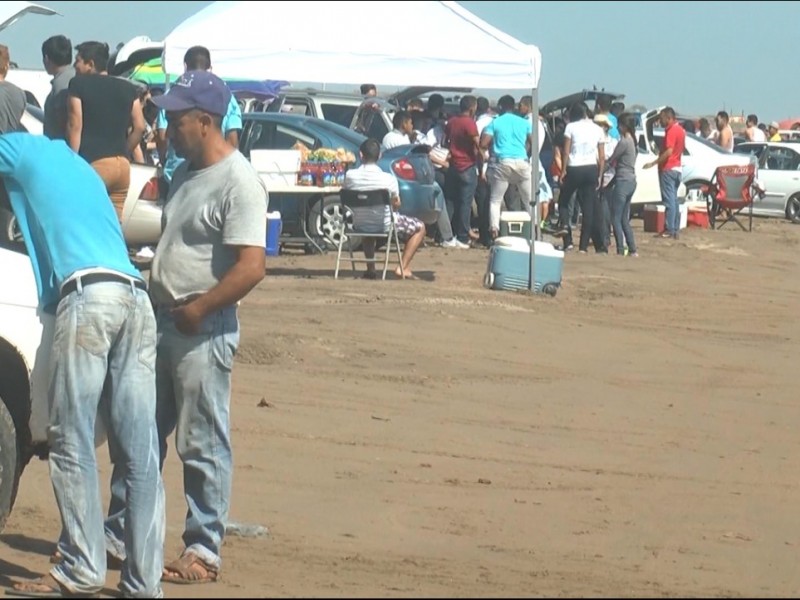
(730, 193)
(366, 219)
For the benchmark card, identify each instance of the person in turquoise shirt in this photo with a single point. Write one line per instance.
(102, 362)
(197, 58)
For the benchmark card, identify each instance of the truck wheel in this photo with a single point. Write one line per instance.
(9, 464)
(550, 290)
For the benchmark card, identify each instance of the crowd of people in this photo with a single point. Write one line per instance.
(147, 359)
(482, 157)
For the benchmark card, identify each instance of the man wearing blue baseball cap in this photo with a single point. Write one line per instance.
(197, 58)
(210, 256)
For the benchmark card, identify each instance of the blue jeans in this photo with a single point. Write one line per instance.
(445, 227)
(105, 338)
(193, 375)
(670, 182)
(621, 197)
(461, 187)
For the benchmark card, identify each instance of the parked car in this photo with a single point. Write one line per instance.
(330, 106)
(700, 160)
(280, 131)
(24, 358)
(779, 173)
(141, 216)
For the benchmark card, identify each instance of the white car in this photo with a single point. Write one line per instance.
(700, 160)
(779, 174)
(141, 215)
(23, 374)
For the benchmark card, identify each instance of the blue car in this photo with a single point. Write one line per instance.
(319, 216)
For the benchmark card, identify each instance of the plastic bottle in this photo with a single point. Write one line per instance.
(244, 530)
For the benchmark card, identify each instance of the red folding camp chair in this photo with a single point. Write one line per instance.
(731, 193)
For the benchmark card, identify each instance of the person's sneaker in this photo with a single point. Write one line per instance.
(146, 254)
(454, 244)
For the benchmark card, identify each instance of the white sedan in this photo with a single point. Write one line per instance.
(141, 215)
(779, 173)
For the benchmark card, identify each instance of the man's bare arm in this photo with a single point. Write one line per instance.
(74, 122)
(138, 127)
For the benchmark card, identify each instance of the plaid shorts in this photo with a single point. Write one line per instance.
(407, 227)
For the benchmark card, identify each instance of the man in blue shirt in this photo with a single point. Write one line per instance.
(197, 58)
(508, 137)
(105, 333)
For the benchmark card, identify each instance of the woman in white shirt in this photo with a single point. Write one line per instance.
(584, 163)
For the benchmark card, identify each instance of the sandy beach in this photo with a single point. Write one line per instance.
(635, 436)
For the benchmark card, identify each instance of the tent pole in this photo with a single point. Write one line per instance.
(534, 209)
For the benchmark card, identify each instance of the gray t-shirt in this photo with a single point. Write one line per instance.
(55, 106)
(206, 213)
(625, 157)
(12, 105)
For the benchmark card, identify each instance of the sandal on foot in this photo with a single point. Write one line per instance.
(44, 587)
(189, 569)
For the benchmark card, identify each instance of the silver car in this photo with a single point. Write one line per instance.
(779, 173)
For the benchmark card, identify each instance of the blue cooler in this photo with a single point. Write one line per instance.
(274, 230)
(510, 266)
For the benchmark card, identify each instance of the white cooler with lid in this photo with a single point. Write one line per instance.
(509, 266)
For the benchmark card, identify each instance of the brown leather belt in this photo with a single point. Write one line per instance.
(91, 279)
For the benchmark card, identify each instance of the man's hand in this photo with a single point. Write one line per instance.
(650, 165)
(188, 318)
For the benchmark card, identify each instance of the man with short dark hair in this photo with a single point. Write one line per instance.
(369, 90)
(753, 133)
(724, 138)
(370, 177)
(510, 138)
(197, 58)
(12, 98)
(461, 135)
(403, 133)
(57, 61)
(670, 171)
(105, 122)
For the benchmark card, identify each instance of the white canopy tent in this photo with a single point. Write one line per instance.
(353, 43)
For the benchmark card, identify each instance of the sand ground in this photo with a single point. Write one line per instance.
(635, 436)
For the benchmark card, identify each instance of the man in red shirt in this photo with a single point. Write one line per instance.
(670, 171)
(461, 136)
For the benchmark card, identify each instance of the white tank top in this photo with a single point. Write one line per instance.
(729, 147)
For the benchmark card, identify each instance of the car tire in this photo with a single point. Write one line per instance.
(326, 222)
(793, 209)
(10, 237)
(551, 289)
(9, 464)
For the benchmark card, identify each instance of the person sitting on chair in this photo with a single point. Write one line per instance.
(370, 177)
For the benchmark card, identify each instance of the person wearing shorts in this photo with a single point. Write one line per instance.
(370, 177)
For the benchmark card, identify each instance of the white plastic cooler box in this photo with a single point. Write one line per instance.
(276, 167)
(509, 266)
(515, 224)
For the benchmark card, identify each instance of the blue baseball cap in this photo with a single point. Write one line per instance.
(200, 90)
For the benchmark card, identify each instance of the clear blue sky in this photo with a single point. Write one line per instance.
(736, 55)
